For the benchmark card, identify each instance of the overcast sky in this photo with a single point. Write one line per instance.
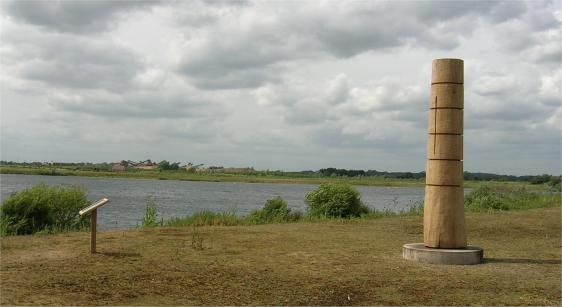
(277, 85)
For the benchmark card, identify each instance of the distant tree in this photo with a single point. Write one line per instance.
(167, 166)
(541, 179)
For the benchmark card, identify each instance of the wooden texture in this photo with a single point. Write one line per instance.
(93, 230)
(446, 95)
(444, 146)
(448, 121)
(444, 199)
(444, 172)
(447, 71)
(443, 221)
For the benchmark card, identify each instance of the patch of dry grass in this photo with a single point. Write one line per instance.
(355, 262)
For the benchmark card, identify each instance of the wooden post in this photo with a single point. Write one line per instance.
(93, 230)
(93, 209)
(444, 225)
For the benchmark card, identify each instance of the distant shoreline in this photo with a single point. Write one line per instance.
(244, 178)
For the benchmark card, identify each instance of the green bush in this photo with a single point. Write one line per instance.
(486, 199)
(43, 208)
(274, 211)
(335, 200)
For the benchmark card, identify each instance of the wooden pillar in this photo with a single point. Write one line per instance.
(444, 225)
(93, 230)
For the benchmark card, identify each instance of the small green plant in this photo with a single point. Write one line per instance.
(275, 210)
(335, 200)
(150, 218)
(207, 218)
(415, 209)
(43, 208)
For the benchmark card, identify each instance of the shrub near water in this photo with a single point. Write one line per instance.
(43, 208)
(274, 211)
(335, 200)
(150, 218)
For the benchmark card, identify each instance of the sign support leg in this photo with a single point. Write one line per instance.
(93, 230)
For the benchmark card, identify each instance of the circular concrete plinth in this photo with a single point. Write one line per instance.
(420, 253)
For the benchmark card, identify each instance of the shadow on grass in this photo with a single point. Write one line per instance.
(118, 254)
(522, 260)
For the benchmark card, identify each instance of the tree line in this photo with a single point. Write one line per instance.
(325, 172)
(535, 179)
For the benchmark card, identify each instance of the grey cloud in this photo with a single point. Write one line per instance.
(388, 101)
(194, 129)
(511, 118)
(338, 89)
(438, 11)
(505, 10)
(62, 60)
(72, 15)
(549, 53)
(231, 52)
(511, 108)
(229, 79)
(540, 16)
(335, 137)
(227, 58)
(137, 105)
(536, 31)
(201, 13)
(307, 112)
(348, 30)
(494, 85)
(373, 115)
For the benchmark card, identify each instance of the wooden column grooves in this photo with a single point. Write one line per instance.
(435, 133)
(444, 196)
(435, 128)
(442, 185)
(446, 83)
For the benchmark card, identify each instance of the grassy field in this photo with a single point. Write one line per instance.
(250, 178)
(351, 262)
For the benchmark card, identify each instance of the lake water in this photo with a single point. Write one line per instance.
(179, 198)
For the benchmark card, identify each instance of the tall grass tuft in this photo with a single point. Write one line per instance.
(150, 218)
(207, 218)
(415, 209)
(43, 208)
(486, 199)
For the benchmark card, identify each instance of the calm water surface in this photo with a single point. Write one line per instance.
(179, 198)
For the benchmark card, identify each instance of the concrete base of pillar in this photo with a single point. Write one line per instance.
(420, 253)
